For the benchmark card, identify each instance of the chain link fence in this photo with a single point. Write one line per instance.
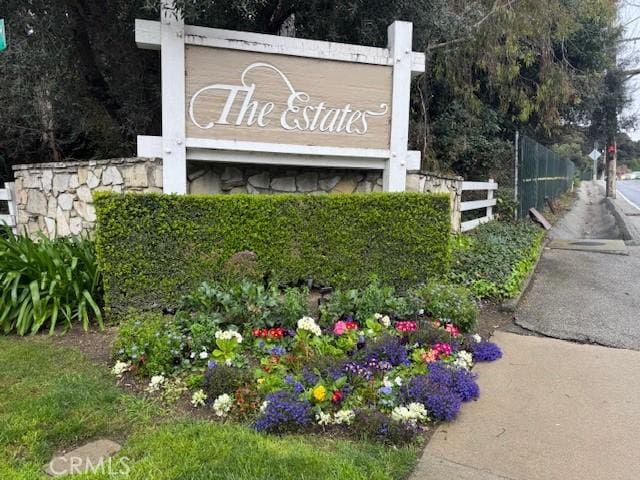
(540, 175)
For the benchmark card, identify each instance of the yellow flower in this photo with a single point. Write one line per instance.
(260, 381)
(319, 393)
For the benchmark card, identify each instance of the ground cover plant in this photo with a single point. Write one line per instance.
(154, 248)
(53, 399)
(45, 283)
(372, 365)
(494, 259)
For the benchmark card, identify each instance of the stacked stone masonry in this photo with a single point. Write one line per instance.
(56, 198)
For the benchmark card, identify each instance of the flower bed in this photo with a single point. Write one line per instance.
(380, 369)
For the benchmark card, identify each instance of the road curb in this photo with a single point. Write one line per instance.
(510, 305)
(630, 232)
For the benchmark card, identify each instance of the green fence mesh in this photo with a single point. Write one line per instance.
(542, 174)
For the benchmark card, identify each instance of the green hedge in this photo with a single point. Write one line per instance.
(154, 248)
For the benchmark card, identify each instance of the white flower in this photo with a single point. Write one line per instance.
(377, 316)
(464, 360)
(412, 413)
(222, 405)
(203, 355)
(310, 325)
(157, 381)
(421, 311)
(198, 398)
(324, 418)
(120, 368)
(193, 355)
(228, 335)
(344, 417)
(387, 383)
(476, 338)
(398, 381)
(263, 407)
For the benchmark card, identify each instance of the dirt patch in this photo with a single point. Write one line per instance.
(491, 319)
(95, 344)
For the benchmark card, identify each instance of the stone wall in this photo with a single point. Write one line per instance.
(56, 198)
(207, 178)
(426, 182)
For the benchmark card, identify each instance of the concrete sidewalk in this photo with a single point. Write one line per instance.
(548, 410)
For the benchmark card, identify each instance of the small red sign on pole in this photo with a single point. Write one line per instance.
(611, 149)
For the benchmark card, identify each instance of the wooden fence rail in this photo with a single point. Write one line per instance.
(487, 204)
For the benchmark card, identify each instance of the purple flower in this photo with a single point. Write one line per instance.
(389, 349)
(385, 390)
(278, 351)
(354, 369)
(442, 403)
(486, 352)
(284, 412)
(309, 377)
(212, 364)
(457, 380)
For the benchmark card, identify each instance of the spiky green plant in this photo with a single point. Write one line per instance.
(46, 282)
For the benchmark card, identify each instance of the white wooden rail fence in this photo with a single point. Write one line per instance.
(8, 196)
(487, 204)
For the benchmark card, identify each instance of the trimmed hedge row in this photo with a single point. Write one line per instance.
(154, 248)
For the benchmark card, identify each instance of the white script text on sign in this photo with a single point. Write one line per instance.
(254, 97)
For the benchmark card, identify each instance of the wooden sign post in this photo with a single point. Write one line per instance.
(239, 97)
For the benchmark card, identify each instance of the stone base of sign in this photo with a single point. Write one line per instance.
(206, 178)
(93, 456)
(56, 198)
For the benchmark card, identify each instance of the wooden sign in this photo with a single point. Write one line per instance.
(258, 97)
(250, 98)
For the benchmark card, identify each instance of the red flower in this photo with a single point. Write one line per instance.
(351, 325)
(337, 396)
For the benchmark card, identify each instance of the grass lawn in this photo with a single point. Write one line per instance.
(53, 398)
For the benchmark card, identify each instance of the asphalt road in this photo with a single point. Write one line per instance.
(631, 190)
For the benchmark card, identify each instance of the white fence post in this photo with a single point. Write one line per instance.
(394, 178)
(490, 197)
(174, 149)
(8, 194)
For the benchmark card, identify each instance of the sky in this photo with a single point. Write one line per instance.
(629, 17)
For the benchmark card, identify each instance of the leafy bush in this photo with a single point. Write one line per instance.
(374, 426)
(363, 304)
(154, 248)
(448, 304)
(505, 204)
(293, 306)
(245, 303)
(497, 258)
(220, 379)
(45, 282)
(150, 341)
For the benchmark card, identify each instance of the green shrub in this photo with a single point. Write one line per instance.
(496, 258)
(293, 306)
(448, 304)
(223, 379)
(155, 248)
(152, 342)
(363, 304)
(247, 303)
(46, 282)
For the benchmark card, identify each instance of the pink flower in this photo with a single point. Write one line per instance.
(443, 349)
(407, 326)
(340, 327)
(453, 330)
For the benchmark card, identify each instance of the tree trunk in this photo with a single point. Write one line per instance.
(47, 121)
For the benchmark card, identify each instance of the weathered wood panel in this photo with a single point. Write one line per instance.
(284, 99)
